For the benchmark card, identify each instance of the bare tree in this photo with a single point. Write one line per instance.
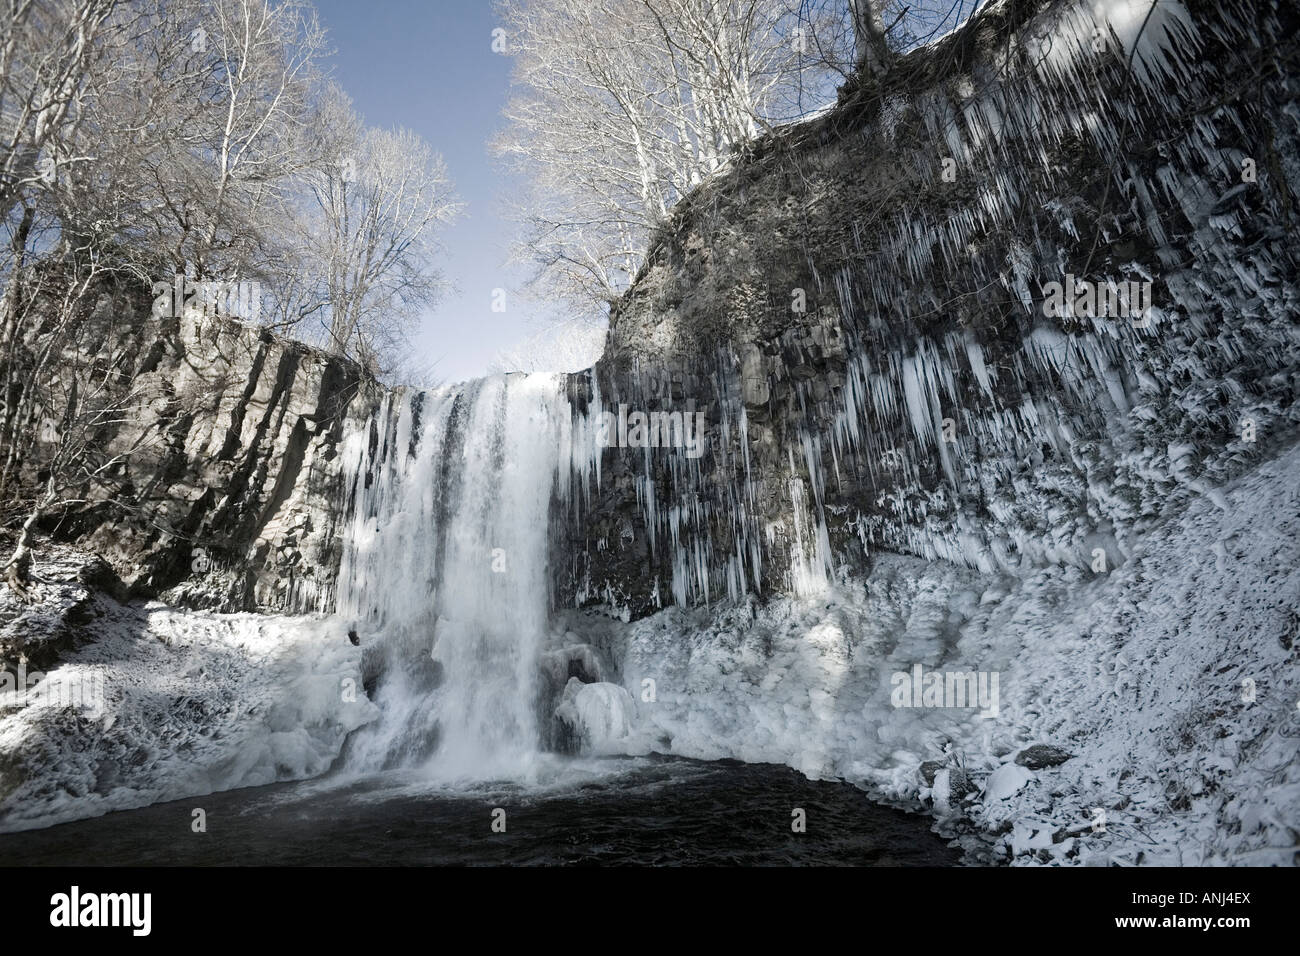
(621, 108)
(200, 111)
(871, 52)
(44, 59)
(567, 347)
(369, 226)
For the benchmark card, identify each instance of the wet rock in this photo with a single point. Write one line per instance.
(1040, 756)
(928, 769)
(960, 784)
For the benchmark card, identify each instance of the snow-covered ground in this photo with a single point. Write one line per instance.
(165, 704)
(1172, 680)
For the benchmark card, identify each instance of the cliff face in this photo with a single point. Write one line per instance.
(864, 309)
(229, 488)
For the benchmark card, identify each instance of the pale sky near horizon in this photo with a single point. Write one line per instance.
(429, 66)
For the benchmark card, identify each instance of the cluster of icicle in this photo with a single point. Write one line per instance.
(680, 504)
(1004, 451)
(984, 431)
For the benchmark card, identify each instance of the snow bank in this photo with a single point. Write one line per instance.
(1171, 679)
(184, 704)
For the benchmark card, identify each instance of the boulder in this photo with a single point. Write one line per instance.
(1006, 781)
(1040, 756)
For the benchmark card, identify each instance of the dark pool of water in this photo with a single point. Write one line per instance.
(646, 812)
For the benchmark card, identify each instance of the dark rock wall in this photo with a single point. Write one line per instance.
(230, 491)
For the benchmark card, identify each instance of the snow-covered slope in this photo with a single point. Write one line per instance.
(1172, 681)
(167, 704)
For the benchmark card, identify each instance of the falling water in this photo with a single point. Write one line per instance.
(444, 572)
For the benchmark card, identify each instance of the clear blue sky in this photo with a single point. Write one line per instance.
(428, 65)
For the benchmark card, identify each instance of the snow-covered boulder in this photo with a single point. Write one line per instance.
(1006, 781)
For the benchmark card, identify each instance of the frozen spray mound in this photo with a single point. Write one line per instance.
(600, 715)
(168, 704)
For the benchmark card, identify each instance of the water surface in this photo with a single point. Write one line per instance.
(648, 811)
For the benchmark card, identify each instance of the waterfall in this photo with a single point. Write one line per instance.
(444, 572)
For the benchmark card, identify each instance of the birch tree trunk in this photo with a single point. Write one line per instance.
(870, 48)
